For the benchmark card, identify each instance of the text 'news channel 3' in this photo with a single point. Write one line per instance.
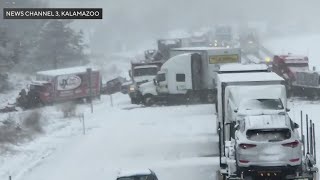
(52, 13)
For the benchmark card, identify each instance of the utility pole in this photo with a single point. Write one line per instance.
(89, 71)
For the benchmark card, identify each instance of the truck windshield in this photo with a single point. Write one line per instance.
(37, 88)
(161, 77)
(270, 135)
(145, 71)
(134, 178)
(255, 104)
(297, 64)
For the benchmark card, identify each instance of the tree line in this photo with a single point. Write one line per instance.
(33, 45)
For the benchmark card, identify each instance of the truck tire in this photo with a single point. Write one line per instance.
(148, 100)
(134, 101)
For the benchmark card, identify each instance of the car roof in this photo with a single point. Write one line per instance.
(134, 172)
(275, 121)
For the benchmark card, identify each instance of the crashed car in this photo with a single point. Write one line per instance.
(143, 174)
(265, 142)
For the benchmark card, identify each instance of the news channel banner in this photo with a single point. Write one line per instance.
(52, 13)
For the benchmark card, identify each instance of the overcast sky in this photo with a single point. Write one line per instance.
(134, 21)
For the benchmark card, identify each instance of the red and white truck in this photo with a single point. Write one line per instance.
(61, 85)
(300, 80)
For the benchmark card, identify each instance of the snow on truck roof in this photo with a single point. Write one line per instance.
(65, 71)
(199, 48)
(134, 172)
(145, 66)
(249, 77)
(242, 67)
(294, 57)
(256, 92)
(267, 122)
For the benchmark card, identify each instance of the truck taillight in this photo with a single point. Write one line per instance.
(247, 146)
(294, 160)
(244, 161)
(291, 144)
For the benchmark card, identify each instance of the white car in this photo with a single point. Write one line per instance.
(268, 142)
(141, 174)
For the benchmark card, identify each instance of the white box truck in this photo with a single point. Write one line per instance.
(257, 138)
(237, 93)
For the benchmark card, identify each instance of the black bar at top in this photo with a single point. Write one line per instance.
(52, 13)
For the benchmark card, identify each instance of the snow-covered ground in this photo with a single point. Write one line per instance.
(177, 142)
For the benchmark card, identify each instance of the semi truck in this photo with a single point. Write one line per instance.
(163, 51)
(257, 138)
(145, 70)
(141, 72)
(300, 80)
(61, 85)
(188, 75)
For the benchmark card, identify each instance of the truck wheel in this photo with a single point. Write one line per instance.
(134, 101)
(148, 100)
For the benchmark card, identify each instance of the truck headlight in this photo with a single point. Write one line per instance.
(131, 88)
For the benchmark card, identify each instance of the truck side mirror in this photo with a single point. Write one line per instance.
(236, 126)
(296, 126)
(236, 111)
(287, 110)
(130, 73)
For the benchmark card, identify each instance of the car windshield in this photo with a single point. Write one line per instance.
(134, 178)
(270, 135)
(256, 104)
(145, 71)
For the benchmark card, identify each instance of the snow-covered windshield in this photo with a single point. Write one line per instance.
(258, 104)
(134, 178)
(145, 72)
(270, 135)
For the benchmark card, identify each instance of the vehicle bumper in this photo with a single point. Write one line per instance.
(269, 163)
(270, 171)
(135, 94)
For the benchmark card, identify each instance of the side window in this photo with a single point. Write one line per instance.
(180, 77)
(161, 77)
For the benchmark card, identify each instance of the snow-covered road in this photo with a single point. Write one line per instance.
(177, 142)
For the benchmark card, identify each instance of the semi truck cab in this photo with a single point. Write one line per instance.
(141, 73)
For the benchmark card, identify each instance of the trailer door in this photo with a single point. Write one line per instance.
(196, 71)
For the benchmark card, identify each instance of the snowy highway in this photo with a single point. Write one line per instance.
(177, 142)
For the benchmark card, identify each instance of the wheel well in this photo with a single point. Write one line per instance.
(148, 95)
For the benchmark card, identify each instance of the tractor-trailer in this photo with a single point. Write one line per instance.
(189, 74)
(66, 84)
